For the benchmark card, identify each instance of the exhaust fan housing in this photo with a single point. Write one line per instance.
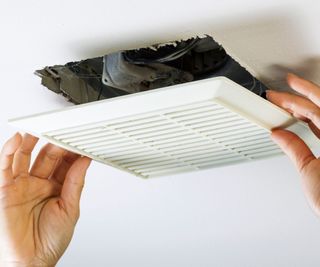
(138, 70)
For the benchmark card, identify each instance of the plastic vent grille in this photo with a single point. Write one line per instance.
(193, 137)
(182, 128)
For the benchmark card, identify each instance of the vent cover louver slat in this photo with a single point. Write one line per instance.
(181, 128)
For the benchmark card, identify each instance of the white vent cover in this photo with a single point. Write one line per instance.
(187, 127)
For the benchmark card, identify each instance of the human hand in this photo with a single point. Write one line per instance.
(307, 108)
(39, 207)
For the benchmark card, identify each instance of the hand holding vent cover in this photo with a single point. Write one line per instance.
(307, 108)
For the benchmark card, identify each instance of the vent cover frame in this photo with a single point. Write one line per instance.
(186, 127)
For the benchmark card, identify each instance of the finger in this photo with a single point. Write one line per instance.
(61, 170)
(314, 129)
(46, 161)
(304, 87)
(297, 105)
(6, 159)
(23, 155)
(294, 147)
(73, 185)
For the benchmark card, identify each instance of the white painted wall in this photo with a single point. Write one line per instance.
(245, 215)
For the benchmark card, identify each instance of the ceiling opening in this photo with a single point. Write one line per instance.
(142, 69)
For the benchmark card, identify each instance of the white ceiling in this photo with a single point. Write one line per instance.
(244, 215)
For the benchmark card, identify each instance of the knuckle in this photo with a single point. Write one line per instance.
(4, 168)
(24, 151)
(291, 105)
(51, 156)
(313, 115)
(77, 213)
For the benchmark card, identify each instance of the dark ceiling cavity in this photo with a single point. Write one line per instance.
(142, 69)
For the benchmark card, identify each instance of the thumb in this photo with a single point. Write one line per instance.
(294, 147)
(73, 185)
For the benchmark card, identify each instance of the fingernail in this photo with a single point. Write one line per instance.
(12, 144)
(16, 135)
(269, 93)
(292, 75)
(275, 132)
